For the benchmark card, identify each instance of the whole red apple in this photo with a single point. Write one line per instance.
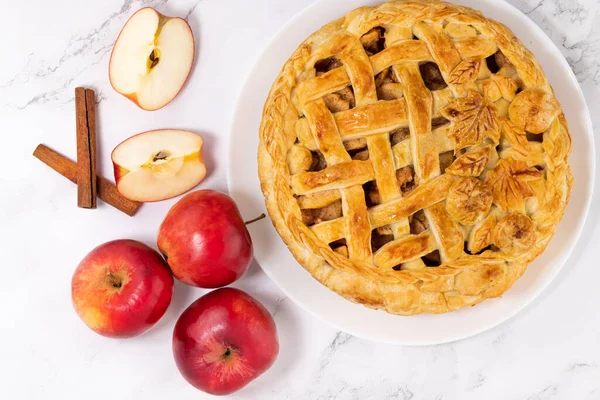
(205, 240)
(224, 340)
(121, 288)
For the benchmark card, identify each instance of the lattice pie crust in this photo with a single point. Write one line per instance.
(413, 157)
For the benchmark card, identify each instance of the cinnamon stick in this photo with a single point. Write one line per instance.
(67, 168)
(85, 115)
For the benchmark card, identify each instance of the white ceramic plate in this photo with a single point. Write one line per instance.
(282, 268)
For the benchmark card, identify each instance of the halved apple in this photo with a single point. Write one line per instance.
(158, 165)
(152, 58)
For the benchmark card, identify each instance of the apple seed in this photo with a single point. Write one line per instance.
(153, 58)
(161, 155)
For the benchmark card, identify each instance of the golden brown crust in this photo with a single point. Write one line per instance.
(529, 182)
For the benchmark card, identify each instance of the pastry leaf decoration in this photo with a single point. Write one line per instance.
(472, 120)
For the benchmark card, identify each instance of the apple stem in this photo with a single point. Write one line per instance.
(261, 216)
(114, 281)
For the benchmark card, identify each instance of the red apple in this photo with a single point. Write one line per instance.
(205, 240)
(121, 288)
(224, 340)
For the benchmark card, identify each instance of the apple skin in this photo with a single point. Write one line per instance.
(224, 340)
(205, 240)
(121, 289)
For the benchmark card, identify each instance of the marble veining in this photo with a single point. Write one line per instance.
(573, 26)
(549, 351)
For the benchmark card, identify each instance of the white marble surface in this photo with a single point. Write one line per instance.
(549, 351)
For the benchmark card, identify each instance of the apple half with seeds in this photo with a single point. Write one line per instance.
(158, 165)
(152, 58)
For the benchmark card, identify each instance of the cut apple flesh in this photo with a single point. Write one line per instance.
(158, 165)
(152, 58)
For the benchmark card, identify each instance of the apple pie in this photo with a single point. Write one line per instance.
(413, 157)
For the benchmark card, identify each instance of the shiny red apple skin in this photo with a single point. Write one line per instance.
(205, 240)
(224, 340)
(122, 288)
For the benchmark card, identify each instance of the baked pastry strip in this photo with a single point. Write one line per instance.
(419, 109)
